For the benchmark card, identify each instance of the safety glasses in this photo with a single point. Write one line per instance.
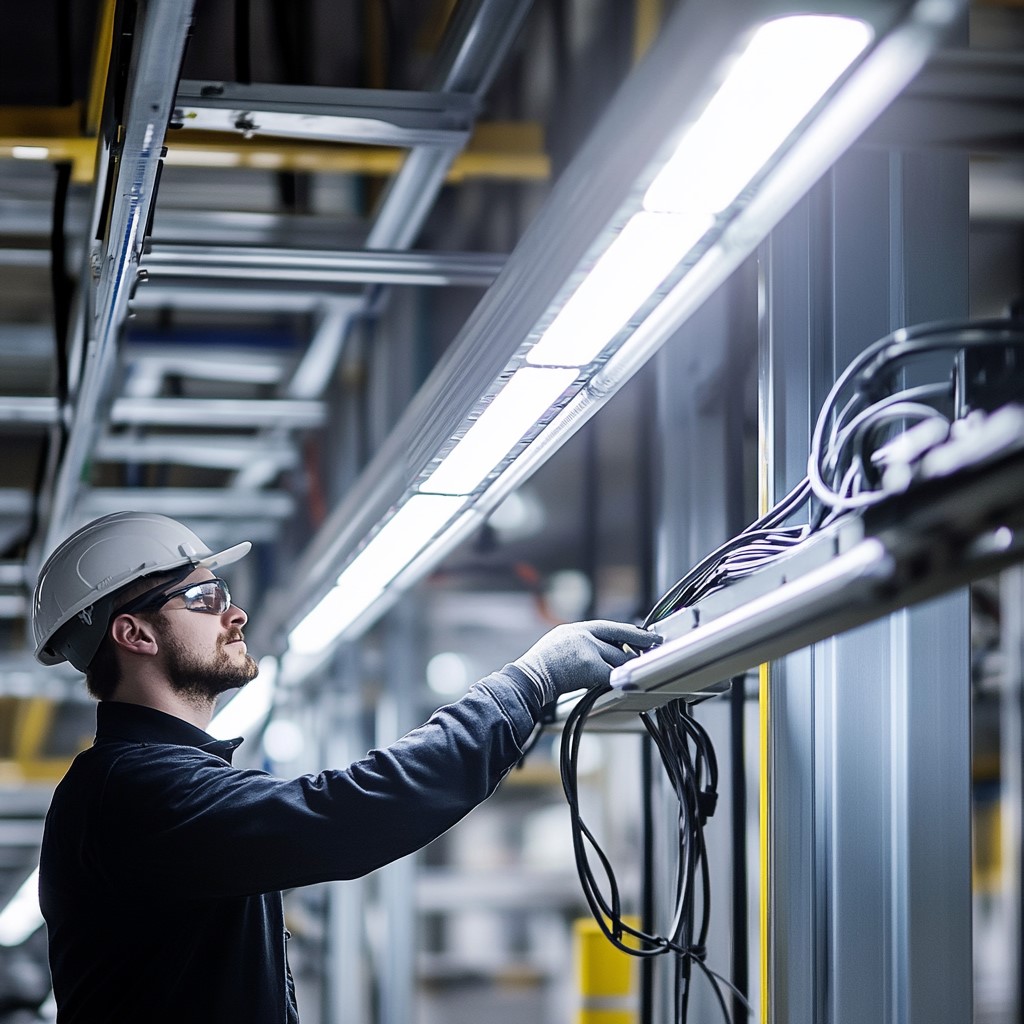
(209, 596)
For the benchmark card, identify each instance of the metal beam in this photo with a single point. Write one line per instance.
(968, 100)
(218, 412)
(28, 409)
(377, 117)
(481, 34)
(189, 450)
(190, 503)
(236, 263)
(201, 412)
(152, 78)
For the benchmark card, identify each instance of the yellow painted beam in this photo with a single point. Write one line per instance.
(32, 722)
(77, 151)
(511, 151)
(45, 770)
(647, 16)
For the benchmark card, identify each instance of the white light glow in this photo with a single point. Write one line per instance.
(283, 740)
(30, 152)
(249, 706)
(448, 674)
(788, 66)
(22, 916)
(528, 394)
(401, 539)
(786, 69)
(636, 262)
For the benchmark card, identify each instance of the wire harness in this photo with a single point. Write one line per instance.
(872, 438)
(917, 389)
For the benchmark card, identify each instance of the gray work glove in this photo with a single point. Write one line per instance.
(581, 654)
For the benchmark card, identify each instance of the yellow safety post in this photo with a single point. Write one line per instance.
(606, 978)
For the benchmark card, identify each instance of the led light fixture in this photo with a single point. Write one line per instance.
(528, 395)
(399, 541)
(782, 74)
(700, 154)
(636, 262)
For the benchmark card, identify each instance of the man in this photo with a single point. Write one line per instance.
(162, 865)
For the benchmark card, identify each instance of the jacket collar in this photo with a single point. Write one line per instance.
(137, 723)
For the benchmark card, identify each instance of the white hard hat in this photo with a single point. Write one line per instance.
(72, 602)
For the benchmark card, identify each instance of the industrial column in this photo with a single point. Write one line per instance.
(866, 858)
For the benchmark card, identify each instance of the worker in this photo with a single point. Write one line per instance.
(162, 865)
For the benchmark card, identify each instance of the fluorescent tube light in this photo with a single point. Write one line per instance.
(249, 706)
(400, 540)
(773, 85)
(636, 262)
(22, 916)
(524, 399)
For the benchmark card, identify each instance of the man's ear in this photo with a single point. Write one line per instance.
(135, 634)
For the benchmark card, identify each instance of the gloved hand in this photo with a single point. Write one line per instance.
(580, 654)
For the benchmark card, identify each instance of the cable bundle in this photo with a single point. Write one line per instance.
(868, 443)
(689, 761)
(868, 440)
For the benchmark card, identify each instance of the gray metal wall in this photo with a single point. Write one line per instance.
(869, 870)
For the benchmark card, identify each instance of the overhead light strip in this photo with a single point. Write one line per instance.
(667, 233)
(362, 582)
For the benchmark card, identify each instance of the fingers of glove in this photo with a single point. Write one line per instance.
(619, 633)
(576, 655)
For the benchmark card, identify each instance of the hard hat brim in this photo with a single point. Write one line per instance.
(227, 556)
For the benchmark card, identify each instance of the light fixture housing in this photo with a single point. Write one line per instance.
(573, 295)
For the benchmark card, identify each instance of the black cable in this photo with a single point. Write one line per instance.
(688, 758)
(647, 874)
(844, 473)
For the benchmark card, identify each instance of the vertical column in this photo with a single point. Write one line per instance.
(868, 733)
(397, 881)
(703, 402)
(345, 973)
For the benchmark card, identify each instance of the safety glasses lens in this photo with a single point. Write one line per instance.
(209, 596)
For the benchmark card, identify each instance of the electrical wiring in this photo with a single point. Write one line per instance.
(856, 437)
(872, 433)
(688, 758)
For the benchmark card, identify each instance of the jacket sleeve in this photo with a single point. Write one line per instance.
(177, 820)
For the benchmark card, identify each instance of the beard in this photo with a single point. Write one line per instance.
(204, 679)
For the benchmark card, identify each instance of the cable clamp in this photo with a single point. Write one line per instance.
(707, 801)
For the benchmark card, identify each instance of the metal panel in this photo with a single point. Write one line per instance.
(869, 841)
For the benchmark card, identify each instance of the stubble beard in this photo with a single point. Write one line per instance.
(201, 680)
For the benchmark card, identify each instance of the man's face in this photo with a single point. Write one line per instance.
(204, 654)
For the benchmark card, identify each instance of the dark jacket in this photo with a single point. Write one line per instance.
(162, 865)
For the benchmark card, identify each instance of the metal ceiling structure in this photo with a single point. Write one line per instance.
(217, 266)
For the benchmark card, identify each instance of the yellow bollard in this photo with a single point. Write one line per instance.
(606, 978)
